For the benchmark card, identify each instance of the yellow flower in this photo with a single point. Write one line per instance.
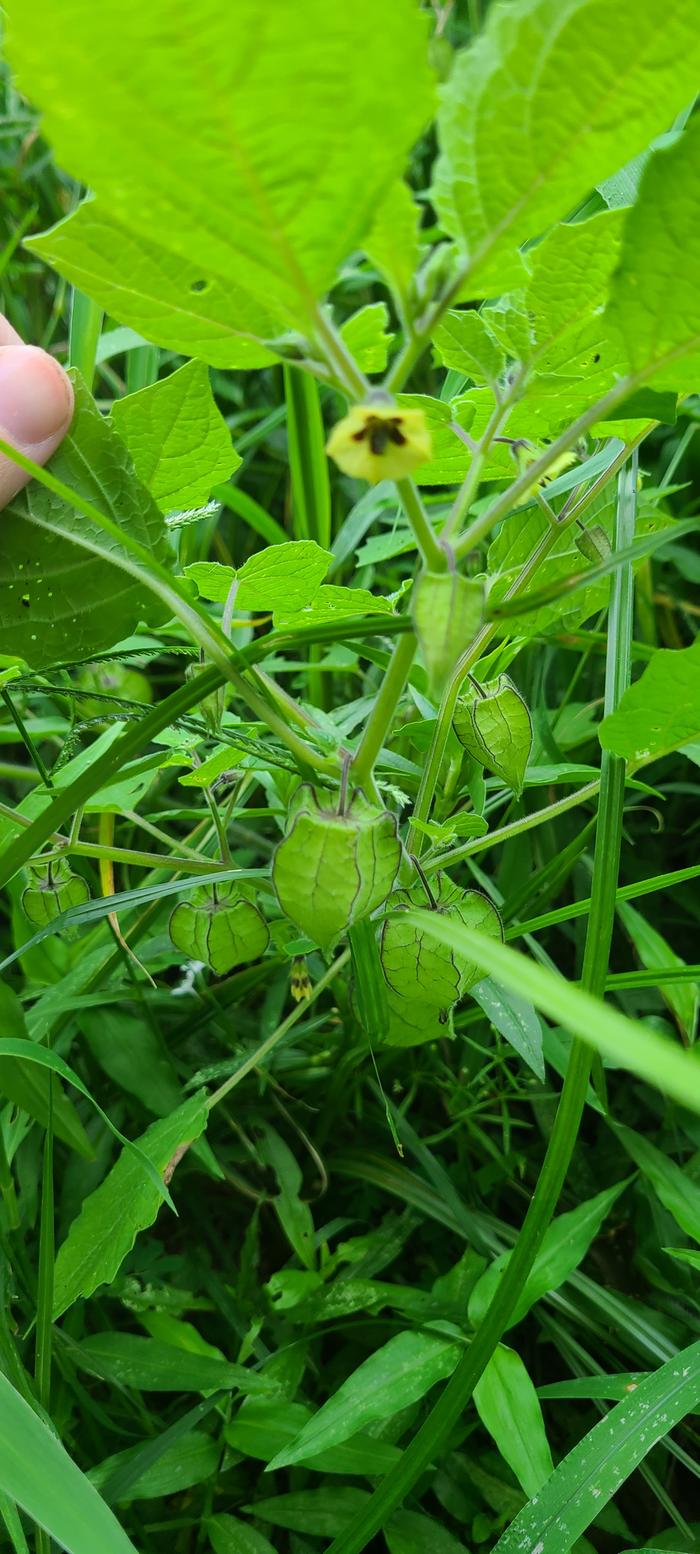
(380, 442)
(527, 456)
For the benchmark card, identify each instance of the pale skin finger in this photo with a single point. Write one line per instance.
(36, 406)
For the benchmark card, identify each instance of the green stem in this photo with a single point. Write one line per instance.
(432, 553)
(432, 1435)
(339, 357)
(277, 1035)
(403, 364)
(472, 480)
(381, 717)
(509, 499)
(26, 737)
(85, 325)
(515, 828)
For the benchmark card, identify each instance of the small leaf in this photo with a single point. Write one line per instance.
(177, 437)
(261, 1429)
(191, 1459)
(229, 1535)
(212, 580)
(656, 955)
(678, 1192)
(128, 1360)
(514, 1019)
(322, 1513)
(331, 603)
(508, 1406)
(282, 576)
(464, 342)
(564, 1246)
(30, 1087)
(367, 337)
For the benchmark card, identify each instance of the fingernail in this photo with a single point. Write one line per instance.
(35, 395)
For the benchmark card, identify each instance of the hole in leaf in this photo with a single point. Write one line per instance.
(200, 285)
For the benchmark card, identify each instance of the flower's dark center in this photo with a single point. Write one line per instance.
(379, 432)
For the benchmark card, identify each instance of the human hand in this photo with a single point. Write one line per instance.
(36, 406)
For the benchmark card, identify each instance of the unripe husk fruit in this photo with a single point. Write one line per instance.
(447, 612)
(220, 927)
(493, 723)
(52, 891)
(334, 868)
(425, 979)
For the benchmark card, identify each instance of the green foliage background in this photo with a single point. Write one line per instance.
(199, 609)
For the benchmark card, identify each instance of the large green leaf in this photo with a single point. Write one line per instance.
(158, 292)
(38, 1474)
(517, 151)
(177, 437)
(655, 302)
(61, 601)
(269, 170)
(661, 711)
(126, 1202)
(403, 1370)
(595, 1470)
(509, 1408)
